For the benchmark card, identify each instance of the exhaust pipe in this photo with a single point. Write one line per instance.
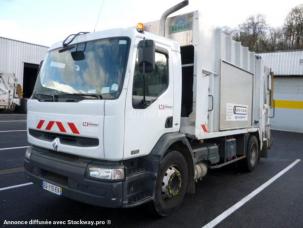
(168, 12)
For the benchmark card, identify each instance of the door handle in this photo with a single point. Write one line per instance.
(169, 122)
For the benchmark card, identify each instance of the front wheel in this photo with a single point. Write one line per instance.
(171, 183)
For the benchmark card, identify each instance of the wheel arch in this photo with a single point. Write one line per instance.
(179, 142)
(259, 138)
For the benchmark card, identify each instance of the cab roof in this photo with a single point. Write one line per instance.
(127, 32)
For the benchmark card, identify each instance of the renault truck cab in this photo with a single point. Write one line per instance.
(101, 101)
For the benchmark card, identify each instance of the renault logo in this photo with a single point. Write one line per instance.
(55, 144)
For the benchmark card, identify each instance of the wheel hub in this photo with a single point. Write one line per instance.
(171, 183)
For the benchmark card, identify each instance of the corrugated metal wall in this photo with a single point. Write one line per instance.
(285, 63)
(288, 89)
(13, 55)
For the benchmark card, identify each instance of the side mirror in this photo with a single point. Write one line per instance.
(146, 56)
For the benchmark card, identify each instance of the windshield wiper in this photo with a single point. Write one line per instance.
(70, 97)
(44, 97)
(80, 96)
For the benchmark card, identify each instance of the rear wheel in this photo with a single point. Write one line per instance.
(171, 184)
(12, 107)
(252, 154)
(23, 105)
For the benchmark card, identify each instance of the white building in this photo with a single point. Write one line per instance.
(21, 59)
(288, 89)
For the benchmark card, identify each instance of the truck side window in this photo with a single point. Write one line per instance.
(156, 82)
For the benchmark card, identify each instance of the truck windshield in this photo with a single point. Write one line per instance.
(98, 70)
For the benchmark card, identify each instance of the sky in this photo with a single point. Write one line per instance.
(48, 21)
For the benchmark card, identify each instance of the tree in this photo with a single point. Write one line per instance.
(275, 40)
(259, 37)
(293, 28)
(252, 33)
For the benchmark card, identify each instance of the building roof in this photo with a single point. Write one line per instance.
(284, 63)
(20, 41)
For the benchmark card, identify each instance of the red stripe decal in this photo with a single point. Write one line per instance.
(60, 126)
(50, 125)
(73, 127)
(204, 127)
(40, 124)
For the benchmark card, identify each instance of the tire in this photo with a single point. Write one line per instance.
(171, 184)
(252, 154)
(12, 108)
(23, 106)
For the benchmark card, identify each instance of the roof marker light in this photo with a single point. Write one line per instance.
(140, 27)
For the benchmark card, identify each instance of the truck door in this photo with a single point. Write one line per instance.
(146, 121)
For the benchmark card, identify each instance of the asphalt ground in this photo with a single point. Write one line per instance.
(280, 204)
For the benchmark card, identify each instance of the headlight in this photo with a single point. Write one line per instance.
(106, 173)
(28, 153)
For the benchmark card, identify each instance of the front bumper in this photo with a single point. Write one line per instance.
(69, 172)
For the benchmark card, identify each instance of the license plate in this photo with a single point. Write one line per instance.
(52, 188)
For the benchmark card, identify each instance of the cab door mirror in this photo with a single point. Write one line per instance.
(146, 56)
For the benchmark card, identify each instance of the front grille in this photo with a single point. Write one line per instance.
(65, 139)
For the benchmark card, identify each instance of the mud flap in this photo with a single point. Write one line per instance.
(266, 146)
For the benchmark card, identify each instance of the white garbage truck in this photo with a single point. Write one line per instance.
(123, 117)
(10, 92)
